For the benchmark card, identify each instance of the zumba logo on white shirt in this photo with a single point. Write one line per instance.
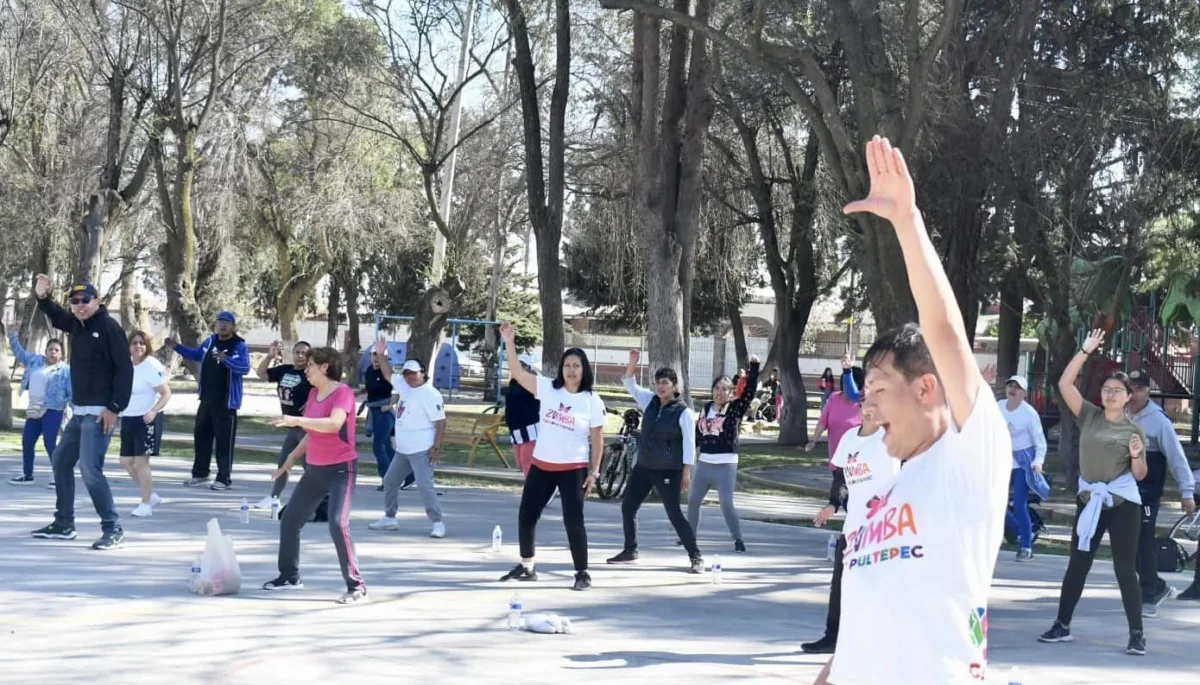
(856, 471)
(879, 530)
(561, 417)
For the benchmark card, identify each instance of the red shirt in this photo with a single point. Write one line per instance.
(331, 448)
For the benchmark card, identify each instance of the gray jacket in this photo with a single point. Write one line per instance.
(1161, 437)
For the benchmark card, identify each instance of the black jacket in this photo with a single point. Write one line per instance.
(720, 435)
(101, 370)
(521, 411)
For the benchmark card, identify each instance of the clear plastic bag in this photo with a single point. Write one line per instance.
(219, 572)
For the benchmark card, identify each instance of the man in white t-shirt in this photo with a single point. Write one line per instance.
(420, 424)
(920, 553)
(862, 464)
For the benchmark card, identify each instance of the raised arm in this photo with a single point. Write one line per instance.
(59, 317)
(741, 403)
(892, 197)
(1066, 382)
(849, 388)
(193, 354)
(385, 362)
(641, 396)
(523, 378)
(19, 352)
(274, 352)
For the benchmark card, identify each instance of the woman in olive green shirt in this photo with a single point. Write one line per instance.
(1112, 458)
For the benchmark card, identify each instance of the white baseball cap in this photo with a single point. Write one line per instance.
(412, 365)
(1019, 380)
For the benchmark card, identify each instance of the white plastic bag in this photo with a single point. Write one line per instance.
(219, 571)
(547, 623)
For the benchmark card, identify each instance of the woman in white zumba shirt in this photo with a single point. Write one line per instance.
(920, 553)
(149, 395)
(566, 458)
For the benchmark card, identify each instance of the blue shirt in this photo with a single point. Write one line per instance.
(58, 385)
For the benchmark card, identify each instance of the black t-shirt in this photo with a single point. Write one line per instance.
(292, 386)
(214, 376)
(378, 387)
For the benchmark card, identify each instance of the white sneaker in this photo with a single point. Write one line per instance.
(438, 530)
(50, 485)
(142, 510)
(155, 500)
(264, 503)
(384, 523)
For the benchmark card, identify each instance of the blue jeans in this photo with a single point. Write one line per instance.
(382, 423)
(47, 428)
(84, 442)
(1019, 516)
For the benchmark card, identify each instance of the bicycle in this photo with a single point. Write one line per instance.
(1186, 533)
(619, 455)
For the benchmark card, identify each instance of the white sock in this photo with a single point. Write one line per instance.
(528, 565)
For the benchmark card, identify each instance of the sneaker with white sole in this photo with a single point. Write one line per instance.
(438, 530)
(282, 583)
(155, 500)
(194, 482)
(21, 480)
(50, 485)
(218, 485)
(358, 596)
(264, 503)
(1025, 554)
(55, 531)
(385, 523)
(142, 510)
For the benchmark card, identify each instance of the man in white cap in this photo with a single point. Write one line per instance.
(1029, 453)
(420, 425)
(521, 413)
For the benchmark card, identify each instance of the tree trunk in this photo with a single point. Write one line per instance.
(332, 316)
(430, 318)
(1012, 310)
(353, 323)
(6, 390)
(793, 420)
(179, 251)
(92, 239)
(739, 334)
(128, 286)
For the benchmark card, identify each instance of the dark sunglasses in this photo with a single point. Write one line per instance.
(81, 300)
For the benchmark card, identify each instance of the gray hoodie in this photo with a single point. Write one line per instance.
(1161, 437)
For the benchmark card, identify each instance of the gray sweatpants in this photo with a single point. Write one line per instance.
(418, 465)
(293, 438)
(337, 482)
(723, 477)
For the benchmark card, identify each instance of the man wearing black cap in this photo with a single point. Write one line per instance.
(101, 382)
(1163, 451)
(223, 360)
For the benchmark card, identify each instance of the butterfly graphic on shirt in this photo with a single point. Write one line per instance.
(877, 503)
(852, 458)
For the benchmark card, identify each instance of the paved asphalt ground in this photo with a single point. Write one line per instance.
(71, 615)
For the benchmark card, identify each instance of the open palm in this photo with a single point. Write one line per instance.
(891, 196)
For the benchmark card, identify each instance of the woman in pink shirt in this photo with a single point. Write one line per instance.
(330, 470)
(843, 411)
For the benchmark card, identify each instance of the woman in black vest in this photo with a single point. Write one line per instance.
(666, 452)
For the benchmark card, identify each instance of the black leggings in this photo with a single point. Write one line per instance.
(669, 485)
(833, 618)
(539, 488)
(1123, 523)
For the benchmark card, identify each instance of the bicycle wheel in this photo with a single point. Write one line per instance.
(621, 478)
(610, 464)
(1186, 532)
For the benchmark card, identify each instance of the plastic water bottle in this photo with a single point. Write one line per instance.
(274, 508)
(831, 548)
(716, 570)
(245, 513)
(194, 582)
(497, 539)
(1015, 677)
(514, 612)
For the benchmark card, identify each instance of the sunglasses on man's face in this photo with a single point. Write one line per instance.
(81, 300)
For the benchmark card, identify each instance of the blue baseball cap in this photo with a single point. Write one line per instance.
(226, 316)
(85, 289)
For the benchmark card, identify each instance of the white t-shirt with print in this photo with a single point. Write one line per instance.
(147, 376)
(919, 560)
(1024, 429)
(419, 407)
(865, 463)
(564, 423)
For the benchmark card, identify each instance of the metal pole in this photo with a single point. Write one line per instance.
(439, 238)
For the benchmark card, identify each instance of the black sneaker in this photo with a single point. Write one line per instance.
(1192, 593)
(21, 480)
(739, 546)
(1137, 643)
(55, 531)
(826, 645)
(110, 540)
(282, 583)
(627, 556)
(1057, 633)
(520, 572)
(583, 581)
(218, 485)
(679, 543)
(697, 565)
(379, 489)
